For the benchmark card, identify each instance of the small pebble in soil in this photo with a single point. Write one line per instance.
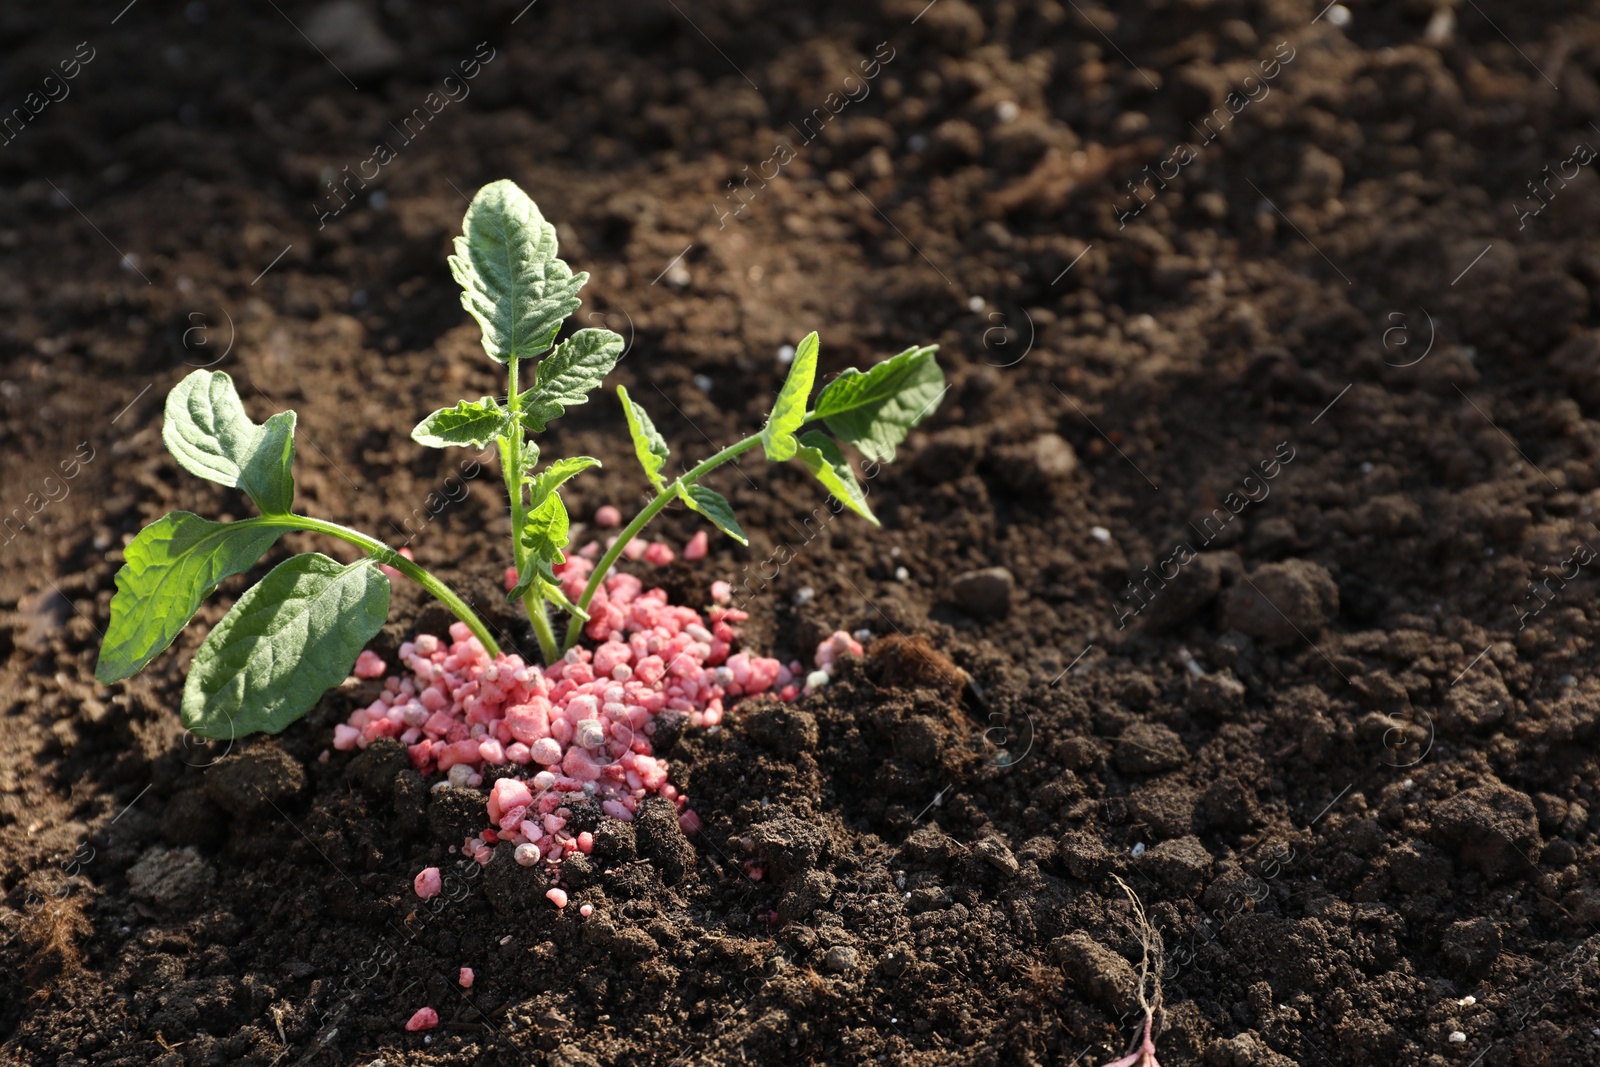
(984, 592)
(586, 910)
(703, 382)
(901, 574)
(558, 897)
(841, 958)
(803, 595)
(424, 1019)
(466, 977)
(607, 517)
(428, 883)
(1138, 850)
(1101, 534)
(1457, 1037)
(527, 855)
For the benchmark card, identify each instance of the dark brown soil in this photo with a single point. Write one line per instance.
(1345, 755)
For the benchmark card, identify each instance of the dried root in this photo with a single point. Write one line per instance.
(1142, 1053)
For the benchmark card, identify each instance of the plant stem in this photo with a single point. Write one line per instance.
(386, 555)
(511, 466)
(664, 497)
(533, 604)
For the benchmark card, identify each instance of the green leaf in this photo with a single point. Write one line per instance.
(268, 475)
(171, 567)
(874, 411)
(288, 639)
(206, 428)
(567, 376)
(555, 475)
(471, 422)
(790, 409)
(545, 529)
(825, 460)
(648, 444)
(511, 279)
(209, 434)
(714, 506)
(527, 578)
(545, 533)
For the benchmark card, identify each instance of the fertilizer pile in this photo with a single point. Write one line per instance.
(579, 728)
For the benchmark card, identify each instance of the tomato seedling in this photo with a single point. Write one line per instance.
(298, 631)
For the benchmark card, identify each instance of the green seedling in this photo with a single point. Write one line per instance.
(299, 630)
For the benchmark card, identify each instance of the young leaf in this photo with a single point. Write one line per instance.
(288, 639)
(790, 409)
(171, 567)
(209, 434)
(530, 456)
(268, 475)
(511, 279)
(567, 376)
(206, 428)
(824, 459)
(648, 444)
(525, 579)
(874, 411)
(545, 530)
(555, 475)
(471, 422)
(714, 506)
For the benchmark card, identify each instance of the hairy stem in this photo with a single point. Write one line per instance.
(511, 466)
(386, 555)
(664, 497)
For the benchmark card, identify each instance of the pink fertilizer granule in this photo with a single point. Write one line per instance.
(579, 728)
(424, 1019)
(428, 883)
